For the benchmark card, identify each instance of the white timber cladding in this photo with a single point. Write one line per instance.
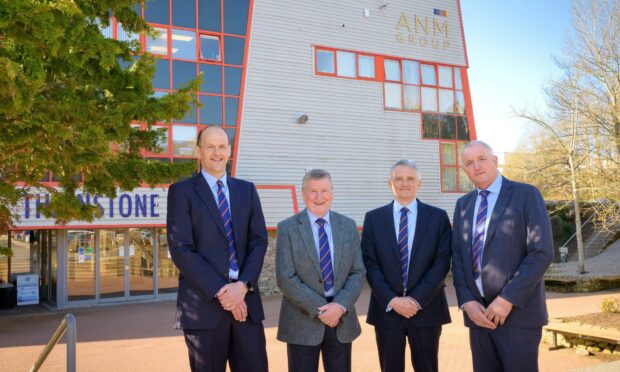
(348, 132)
(273, 208)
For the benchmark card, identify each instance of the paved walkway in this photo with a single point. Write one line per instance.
(139, 337)
(605, 265)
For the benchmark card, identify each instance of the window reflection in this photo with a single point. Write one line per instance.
(211, 111)
(183, 140)
(412, 97)
(80, 267)
(392, 70)
(445, 76)
(141, 261)
(448, 153)
(325, 61)
(112, 263)
(448, 179)
(159, 44)
(183, 44)
(366, 66)
(210, 47)
(446, 100)
(429, 99)
(346, 63)
(393, 95)
(167, 272)
(411, 73)
(428, 75)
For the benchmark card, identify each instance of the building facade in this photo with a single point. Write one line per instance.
(350, 86)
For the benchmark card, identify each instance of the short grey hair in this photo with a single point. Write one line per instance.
(315, 174)
(477, 142)
(407, 163)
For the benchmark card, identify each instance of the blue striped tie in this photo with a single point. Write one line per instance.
(478, 244)
(403, 246)
(325, 257)
(222, 205)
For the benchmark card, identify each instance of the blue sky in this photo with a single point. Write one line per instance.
(510, 46)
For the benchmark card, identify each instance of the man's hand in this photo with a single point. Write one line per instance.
(232, 295)
(404, 306)
(330, 314)
(476, 312)
(240, 312)
(498, 310)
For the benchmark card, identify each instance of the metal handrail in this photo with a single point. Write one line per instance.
(67, 325)
(575, 233)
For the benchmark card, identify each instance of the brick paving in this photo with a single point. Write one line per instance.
(139, 337)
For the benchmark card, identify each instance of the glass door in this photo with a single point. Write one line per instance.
(112, 265)
(81, 273)
(141, 260)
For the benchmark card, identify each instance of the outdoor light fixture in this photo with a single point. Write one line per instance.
(303, 119)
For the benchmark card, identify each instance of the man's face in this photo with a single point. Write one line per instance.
(318, 195)
(214, 151)
(404, 184)
(480, 166)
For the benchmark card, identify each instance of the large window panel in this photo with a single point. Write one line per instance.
(112, 263)
(183, 140)
(182, 73)
(447, 127)
(163, 143)
(167, 272)
(446, 100)
(184, 13)
(429, 99)
(161, 80)
(445, 76)
(124, 35)
(325, 61)
(465, 184)
(428, 75)
(211, 78)
(448, 153)
(430, 126)
(411, 72)
(209, 15)
(158, 45)
(346, 63)
(233, 50)
(141, 255)
(157, 11)
(393, 95)
(190, 116)
(462, 128)
(183, 44)
(236, 16)
(210, 48)
(458, 84)
(232, 79)
(392, 69)
(211, 111)
(448, 179)
(81, 273)
(460, 103)
(232, 109)
(412, 97)
(366, 66)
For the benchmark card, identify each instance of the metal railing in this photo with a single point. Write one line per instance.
(67, 325)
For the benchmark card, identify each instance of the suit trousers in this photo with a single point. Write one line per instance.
(505, 349)
(423, 344)
(242, 344)
(336, 355)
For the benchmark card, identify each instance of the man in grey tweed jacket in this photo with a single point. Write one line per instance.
(320, 272)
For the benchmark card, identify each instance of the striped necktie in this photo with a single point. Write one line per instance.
(403, 246)
(325, 257)
(478, 245)
(222, 205)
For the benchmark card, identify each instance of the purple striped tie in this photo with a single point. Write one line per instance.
(403, 246)
(478, 244)
(222, 205)
(325, 259)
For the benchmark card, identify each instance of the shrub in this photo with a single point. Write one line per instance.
(610, 305)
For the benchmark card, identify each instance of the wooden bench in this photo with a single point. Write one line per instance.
(609, 336)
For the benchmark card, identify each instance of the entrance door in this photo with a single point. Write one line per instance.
(140, 257)
(81, 278)
(112, 266)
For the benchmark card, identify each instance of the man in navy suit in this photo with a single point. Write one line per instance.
(217, 239)
(502, 245)
(406, 248)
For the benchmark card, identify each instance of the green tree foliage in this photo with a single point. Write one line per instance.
(68, 98)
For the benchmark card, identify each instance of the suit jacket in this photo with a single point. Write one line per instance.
(298, 275)
(199, 248)
(429, 265)
(517, 251)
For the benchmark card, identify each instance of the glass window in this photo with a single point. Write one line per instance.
(325, 61)
(446, 100)
(366, 66)
(448, 179)
(141, 262)
(460, 103)
(236, 16)
(412, 97)
(210, 47)
(393, 95)
(183, 140)
(81, 282)
(462, 128)
(232, 79)
(159, 93)
(158, 45)
(184, 13)
(112, 259)
(167, 272)
(182, 73)
(447, 127)
(430, 126)
(445, 76)
(183, 44)
(428, 75)
(105, 31)
(161, 79)
(392, 70)
(123, 35)
(429, 99)
(465, 184)
(163, 143)
(231, 132)
(458, 84)
(346, 63)
(232, 107)
(190, 116)
(411, 72)
(448, 153)
(233, 50)
(211, 111)
(209, 15)
(211, 78)
(157, 11)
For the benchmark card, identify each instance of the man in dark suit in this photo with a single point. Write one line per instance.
(217, 239)
(406, 247)
(320, 271)
(502, 245)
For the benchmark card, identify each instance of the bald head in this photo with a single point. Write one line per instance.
(213, 149)
(210, 131)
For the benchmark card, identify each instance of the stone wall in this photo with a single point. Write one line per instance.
(267, 280)
(582, 344)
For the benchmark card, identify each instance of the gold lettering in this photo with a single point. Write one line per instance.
(422, 41)
(411, 39)
(435, 43)
(439, 28)
(403, 22)
(419, 24)
(446, 44)
(399, 38)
